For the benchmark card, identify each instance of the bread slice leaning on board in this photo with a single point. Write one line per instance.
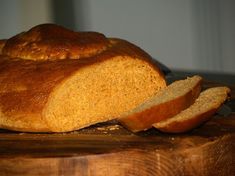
(166, 103)
(201, 111)
(55, 80)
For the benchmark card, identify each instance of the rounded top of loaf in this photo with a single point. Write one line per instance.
(52, 42)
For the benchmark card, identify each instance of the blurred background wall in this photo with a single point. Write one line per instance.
(182, 34)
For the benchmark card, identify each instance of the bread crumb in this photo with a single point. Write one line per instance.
(113, 127)
(101, 128)
(109, 128)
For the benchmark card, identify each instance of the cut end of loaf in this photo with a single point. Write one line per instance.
(202, 110)
(167, 103)
(101, 92)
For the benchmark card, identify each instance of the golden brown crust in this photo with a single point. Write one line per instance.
(189, 124)
(27, 77)
(50, 42)
(2, 44)
(143, 120)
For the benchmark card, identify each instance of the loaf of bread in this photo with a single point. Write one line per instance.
(167, 103)
(55, 80)
(201, 111)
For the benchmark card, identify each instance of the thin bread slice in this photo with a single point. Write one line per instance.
(167, 103)
(202, 110)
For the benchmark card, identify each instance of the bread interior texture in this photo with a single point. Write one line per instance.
(171, 92)
(101, 92)
(208, 100)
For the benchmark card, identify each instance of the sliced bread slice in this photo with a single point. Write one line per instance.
(202, 110)
(167, 103)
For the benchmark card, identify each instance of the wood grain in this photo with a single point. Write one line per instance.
(109, 149)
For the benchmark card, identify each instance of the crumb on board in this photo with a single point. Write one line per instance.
(108, 128)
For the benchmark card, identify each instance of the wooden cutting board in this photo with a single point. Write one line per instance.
(109, 149)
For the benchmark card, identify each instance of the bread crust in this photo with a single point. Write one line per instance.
(28, 76)
(50, 42)
(143, 120)
(2, 44)
(189, 124)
